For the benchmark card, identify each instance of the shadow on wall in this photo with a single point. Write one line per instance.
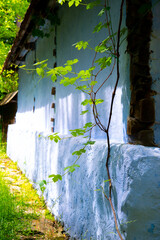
(135, 174)
(75, 200)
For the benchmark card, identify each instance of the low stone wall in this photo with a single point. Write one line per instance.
(135, 173)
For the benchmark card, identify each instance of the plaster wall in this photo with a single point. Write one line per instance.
(135, 173)
(76, 24)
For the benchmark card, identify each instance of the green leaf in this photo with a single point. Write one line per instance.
(101, 12)
(76, 2)
(83, 112)
(108, 180)
(98, 101)
(71, 168)
(53, 78)
(80, 45)
(93, 4)
(98, 27)
(61, 70)
(42, 183)
(89, 143)
(70, 3)
(84, 74)
(77, 132)
(83, 87)
(97, 190)
(79, 152)
(54, 137)
(68, 81)
(68, 68)
(104, 62)
(86, 101)
(93, 83)
(51, 72)
(103, 48)
(44, 65)
(40, 72)
(88, 125)
(23, 66)
(71, 62)
(55, 177)
(39, 63)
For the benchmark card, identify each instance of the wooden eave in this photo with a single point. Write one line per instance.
(8, 98)
(24, 35)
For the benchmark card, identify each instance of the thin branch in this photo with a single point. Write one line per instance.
(118, 74)
(107, 77)
(110, 116)
(109, 30)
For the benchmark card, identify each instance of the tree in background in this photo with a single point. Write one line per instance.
(11, 13)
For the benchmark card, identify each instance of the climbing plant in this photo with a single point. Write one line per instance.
(106, 55)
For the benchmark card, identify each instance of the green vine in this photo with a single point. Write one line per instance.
(106, 55)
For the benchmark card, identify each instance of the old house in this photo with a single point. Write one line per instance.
(45, 107)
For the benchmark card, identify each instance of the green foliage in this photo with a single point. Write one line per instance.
(99, 26)
(79, 152)
(86, 102)
(11, 11)
(89, 143)
(81, 44)
(8, 82)
(10, 215)
(84, 112)
(101, 12)
(55, 177)
(54, 137)
(104, 62)
(42, 185)
(93, 4)
(71, 2)
(40, 72)
(71, 168)
(77, 132)
(90, 102)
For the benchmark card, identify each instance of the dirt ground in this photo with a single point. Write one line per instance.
(43, 224)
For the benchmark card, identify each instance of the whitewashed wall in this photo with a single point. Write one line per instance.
(76, 24)
(74, 201)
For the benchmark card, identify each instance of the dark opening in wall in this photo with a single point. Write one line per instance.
(142, 106)
(34, 104)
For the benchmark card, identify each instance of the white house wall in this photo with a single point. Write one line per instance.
(68, 100)
(75, 201)
(134, 169)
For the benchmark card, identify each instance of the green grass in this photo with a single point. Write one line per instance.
(3, 146)
(23, 215)
(12, 212)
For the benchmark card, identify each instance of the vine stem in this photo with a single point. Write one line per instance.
(109, 121)
(97, 120)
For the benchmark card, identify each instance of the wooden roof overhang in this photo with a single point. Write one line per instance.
(8, 98)
(24, 41)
